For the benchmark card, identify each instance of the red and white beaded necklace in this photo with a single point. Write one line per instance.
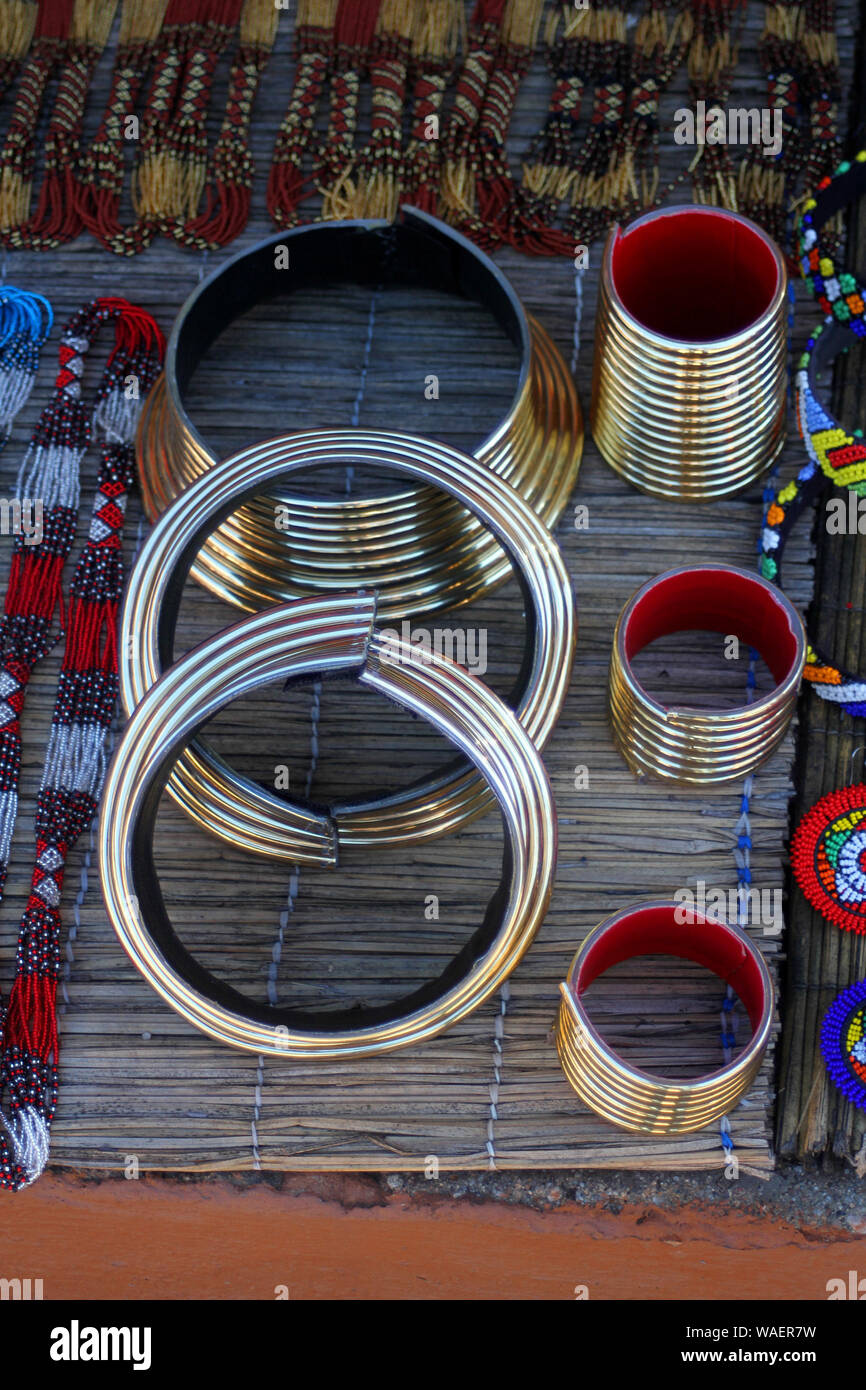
(75, 759)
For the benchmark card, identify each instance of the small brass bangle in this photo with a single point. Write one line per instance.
(421, 551)
(241, 811)
(323, 636)
(698, 747)
(634, 1099)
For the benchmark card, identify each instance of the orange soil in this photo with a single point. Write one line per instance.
(156, 1239)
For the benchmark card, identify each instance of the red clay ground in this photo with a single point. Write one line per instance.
(154, 1238)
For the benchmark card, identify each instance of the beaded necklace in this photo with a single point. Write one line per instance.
(378, 171)
(179, 170)
(461, 146)
(75, 759)
(25, 322)
(835, 457)
(548, 168)
(354, 41)
(436, 40)
(228, 192)
(314, 47)
(100, 177)
(841, 295)
(69, 41)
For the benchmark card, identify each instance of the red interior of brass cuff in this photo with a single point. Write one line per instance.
(654, 931)
(714, 599)
(693, 274)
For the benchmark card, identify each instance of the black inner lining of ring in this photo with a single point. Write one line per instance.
(167, 624)
(161, 931)
(416, 250)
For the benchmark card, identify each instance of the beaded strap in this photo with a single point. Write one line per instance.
(548, 171)
(314, 41)
(436, 39)
(354, 39)
(841, 295)
(835, 458)
(75, 759)
(101, 174)
(229, 190)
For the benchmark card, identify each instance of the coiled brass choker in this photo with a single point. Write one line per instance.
(421, 550)
(623, 1094)
(322, 636)
(256, 817)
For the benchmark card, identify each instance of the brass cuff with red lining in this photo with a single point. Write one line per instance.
(701, 746)
(623, 1094)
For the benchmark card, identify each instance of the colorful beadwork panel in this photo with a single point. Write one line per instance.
(142, 1090)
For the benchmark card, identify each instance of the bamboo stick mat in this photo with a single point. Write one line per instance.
(140, 1089)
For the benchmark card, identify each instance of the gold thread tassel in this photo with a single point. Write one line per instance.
(17, 26)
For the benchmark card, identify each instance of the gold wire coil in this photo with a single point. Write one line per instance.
(690, 418)
(634, 1099)
(693, 746)
(323, 635)
(420, 549)
(249, 815)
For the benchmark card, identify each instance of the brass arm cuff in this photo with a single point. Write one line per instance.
(623, 1094)
(690, 367)
(697, 747)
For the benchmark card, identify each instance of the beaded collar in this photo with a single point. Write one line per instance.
(843, 1043)
(834, 457)
(839, 455)
(840, 294)
(828, 857)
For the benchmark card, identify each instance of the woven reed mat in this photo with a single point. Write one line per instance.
(137, 1082)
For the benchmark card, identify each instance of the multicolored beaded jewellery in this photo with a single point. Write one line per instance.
(74, 765)
(840, 294)
(843, 1043)
(836, 456)
(828, 857)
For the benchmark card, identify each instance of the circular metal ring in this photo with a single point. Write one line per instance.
(257, 818)
(421, 550)
(697, 746)
(690, 368)
(323, 635)
(634, 1099)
